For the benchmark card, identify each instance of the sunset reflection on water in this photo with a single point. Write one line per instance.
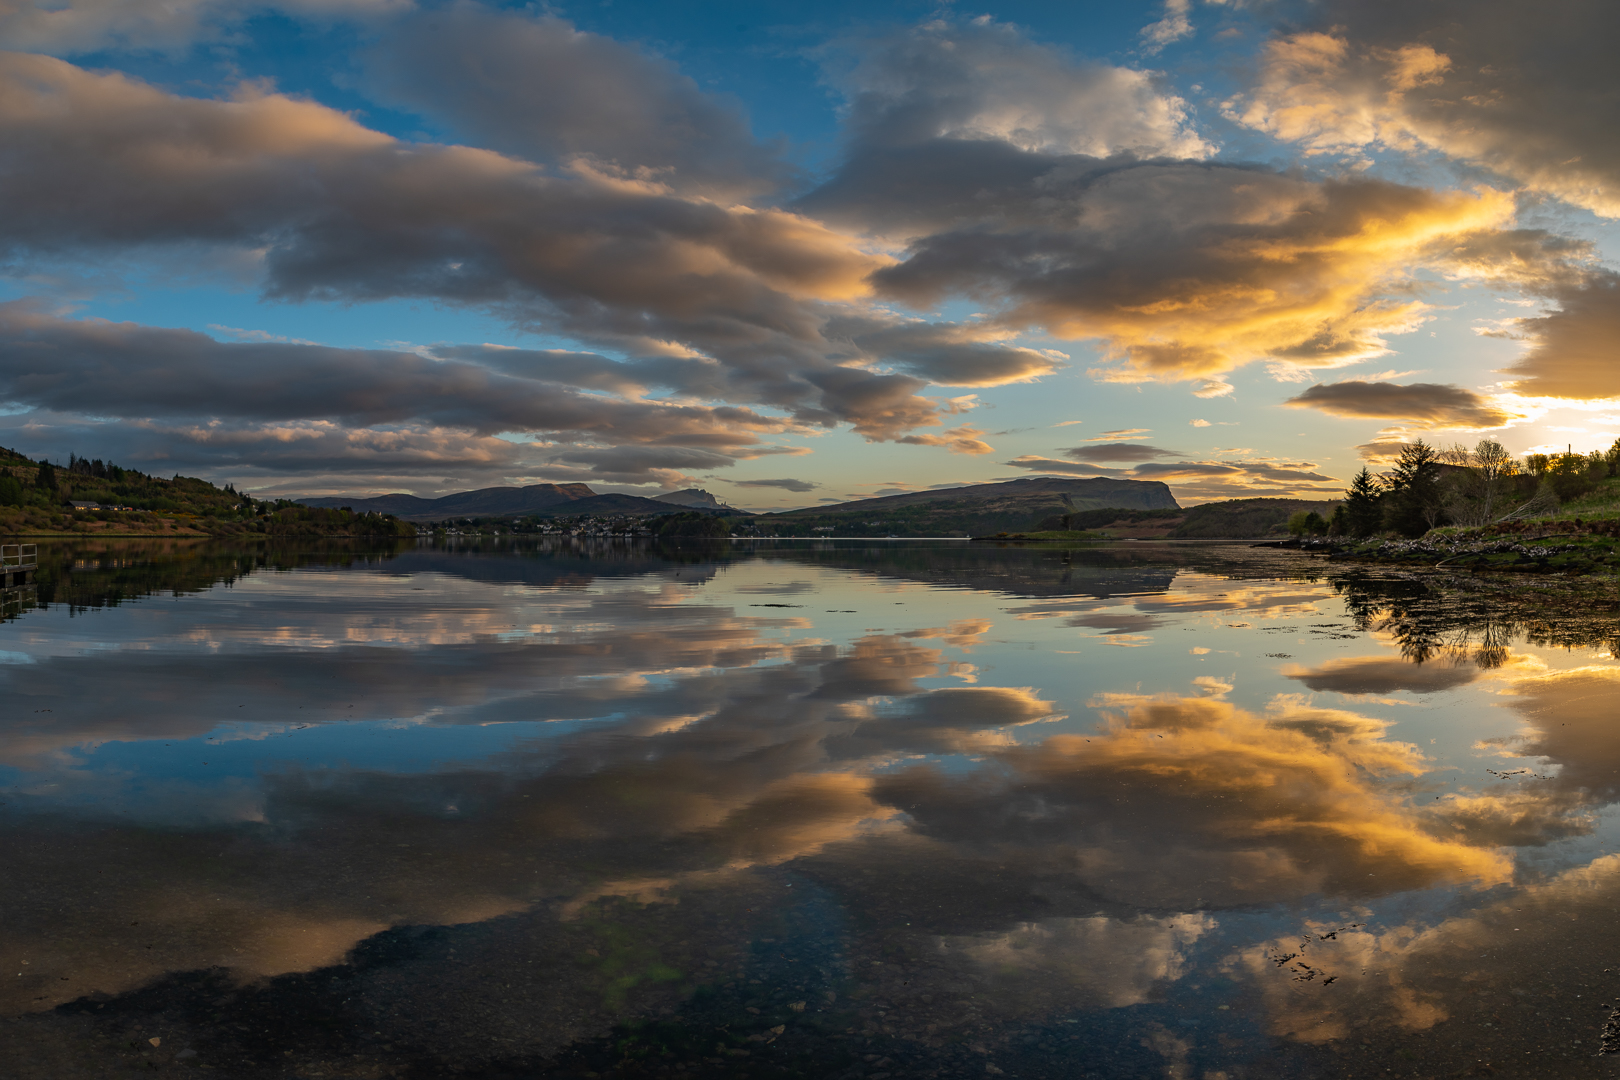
(1120, 811)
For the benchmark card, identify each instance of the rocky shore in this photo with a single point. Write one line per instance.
(1570, 546)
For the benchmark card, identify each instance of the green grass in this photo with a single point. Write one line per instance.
(1600, 504)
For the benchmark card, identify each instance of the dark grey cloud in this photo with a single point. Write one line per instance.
(131, 371)
(1219, 479)
(727, 301)
(785, 484)
(1119, 451)
(537, 87)
(1571, 350)
(1036, 463)
(635, 464)
(943, 353)
(1112, 622)
(154, 396)
(1429, 405)
(1385, 675)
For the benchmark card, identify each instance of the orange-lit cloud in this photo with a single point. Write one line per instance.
(1227, 806)
(1497, 85)
(1242, 266)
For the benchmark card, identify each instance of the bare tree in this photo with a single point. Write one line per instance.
(1455, 454)
(1474, 493)
(1493, 464)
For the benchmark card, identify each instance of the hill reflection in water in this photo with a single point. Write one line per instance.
(834, 809)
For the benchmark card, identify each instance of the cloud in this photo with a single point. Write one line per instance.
(985, 81)
(1098, 961)
(1036, 463)
(1197, 480)
(1431, 406)
(1381, 450)
(1401, 975)
(1183, 270)
(1187, 271)
(159, 396)
(785, 484)
(538, 88)
(720, 302)
(1198, 423)
(1571, 350)
(737, 761)
(1173, 27)
(787, 808)
(81, 26)
(1120, 434)
(1494, 84)
(1384, 675)
(1566, 713)
(1194, 468)
(948, 123)
(945, 354)
(958, 440)
(1299, 805)
(1119, 451)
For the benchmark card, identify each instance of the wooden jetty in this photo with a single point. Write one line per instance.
(18, 564)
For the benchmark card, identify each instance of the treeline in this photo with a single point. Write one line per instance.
(1095, 519)
(38, 497)
(1430, 487)
(286, 519)
(43, 486)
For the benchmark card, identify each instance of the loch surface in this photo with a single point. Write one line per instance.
(820, 809)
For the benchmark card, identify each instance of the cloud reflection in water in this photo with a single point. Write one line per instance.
(672, 757)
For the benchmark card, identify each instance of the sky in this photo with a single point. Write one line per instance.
(796, 254)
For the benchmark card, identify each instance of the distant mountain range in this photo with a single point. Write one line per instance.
(535, 500)
(973, 510)
(1136, 508)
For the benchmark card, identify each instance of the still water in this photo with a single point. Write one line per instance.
(826, 810)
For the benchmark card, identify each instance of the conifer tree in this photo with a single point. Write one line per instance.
(1412, 503)
(1363, 511)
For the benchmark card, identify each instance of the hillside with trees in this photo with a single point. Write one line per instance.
(1429, 488)
(91, 496)
(1481, 508)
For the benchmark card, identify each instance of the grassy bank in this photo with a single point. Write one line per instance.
(1581, 537)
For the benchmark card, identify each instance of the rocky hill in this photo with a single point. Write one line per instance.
(974, 510)
(695, 498)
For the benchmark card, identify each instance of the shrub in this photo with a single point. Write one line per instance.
(1307, 523)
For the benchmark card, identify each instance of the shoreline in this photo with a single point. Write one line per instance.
(1557, 550)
